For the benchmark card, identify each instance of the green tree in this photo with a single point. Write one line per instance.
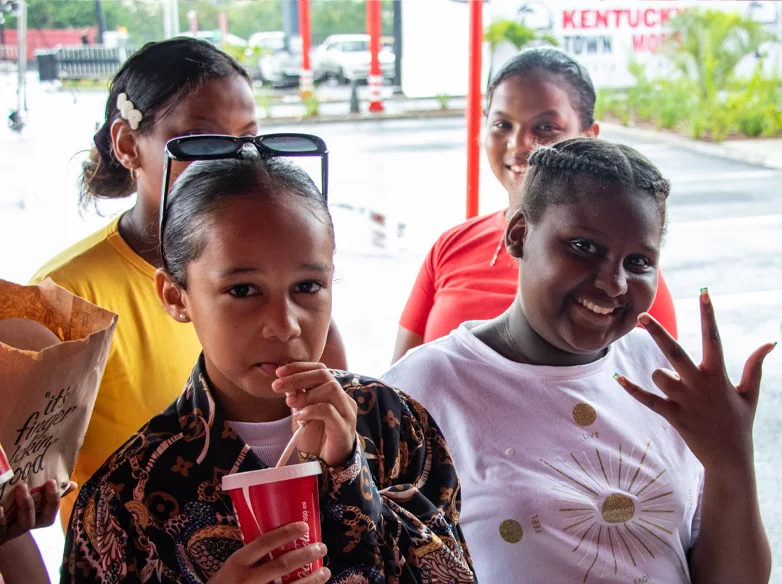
(708, 44)
(346, 17)
(144, 18)
(61, 14)
(517, 34)
(246, 18)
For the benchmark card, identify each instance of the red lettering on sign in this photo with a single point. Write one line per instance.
(617, 18)
(651, 42)
(639, 43)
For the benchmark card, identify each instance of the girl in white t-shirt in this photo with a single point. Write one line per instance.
(582, 457)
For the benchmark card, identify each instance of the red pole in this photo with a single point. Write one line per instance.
(375, 79)
(306, 79)
(223, 26)
(474, 107)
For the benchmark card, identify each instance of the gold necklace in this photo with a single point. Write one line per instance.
(497, 251)
(499, 245)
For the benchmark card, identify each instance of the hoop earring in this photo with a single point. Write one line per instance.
(134, 174)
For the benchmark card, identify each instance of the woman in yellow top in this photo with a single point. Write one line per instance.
(168, 89)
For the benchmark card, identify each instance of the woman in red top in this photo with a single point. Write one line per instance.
(540, 96)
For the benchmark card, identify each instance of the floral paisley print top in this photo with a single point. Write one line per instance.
(155, 512)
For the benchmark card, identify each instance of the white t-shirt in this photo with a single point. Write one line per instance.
(565, 477)
(267, 439)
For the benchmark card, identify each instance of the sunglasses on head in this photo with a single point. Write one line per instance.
(216, 147)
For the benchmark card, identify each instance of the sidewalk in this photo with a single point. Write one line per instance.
(334, 106)
(761, 151)
(287, 109)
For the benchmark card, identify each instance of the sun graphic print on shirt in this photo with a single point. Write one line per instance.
(619, 510)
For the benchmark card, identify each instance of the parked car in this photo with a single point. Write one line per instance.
(216, 37)
(346, 57)
(279, 58)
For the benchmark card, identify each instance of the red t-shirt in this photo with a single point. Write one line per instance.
(457, 282)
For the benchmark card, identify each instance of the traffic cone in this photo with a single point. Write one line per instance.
(375, 93)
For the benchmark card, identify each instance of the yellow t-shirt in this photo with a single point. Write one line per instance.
(151, 356)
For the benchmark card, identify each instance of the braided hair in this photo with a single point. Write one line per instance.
(553, 171)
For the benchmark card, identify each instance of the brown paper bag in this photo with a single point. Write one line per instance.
(47, 396)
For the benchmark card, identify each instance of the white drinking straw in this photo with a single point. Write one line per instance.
(286, 454)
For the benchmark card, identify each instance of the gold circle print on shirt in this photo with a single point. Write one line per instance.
(584, 415)
(617, 509)
(511, 531)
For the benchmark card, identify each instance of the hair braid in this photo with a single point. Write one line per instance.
(552, 170)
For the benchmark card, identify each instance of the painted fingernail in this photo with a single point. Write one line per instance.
(616, 376)
(704, 290)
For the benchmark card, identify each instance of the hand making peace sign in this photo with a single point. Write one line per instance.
(713, 416)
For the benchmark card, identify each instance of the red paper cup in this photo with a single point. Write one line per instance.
(270, 498)
(6, 474)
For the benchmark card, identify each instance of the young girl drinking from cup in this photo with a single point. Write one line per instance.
(570, 475)
(247, 245)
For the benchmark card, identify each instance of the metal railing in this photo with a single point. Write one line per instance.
(90, 62)
(8, 52)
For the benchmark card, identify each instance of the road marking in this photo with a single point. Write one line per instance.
(745, 299)
(752, 220)
(730, 175)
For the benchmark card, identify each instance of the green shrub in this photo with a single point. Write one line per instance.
(311, 105)
(702, 97)
(263, 99)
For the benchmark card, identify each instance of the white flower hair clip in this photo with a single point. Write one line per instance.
(128, 111)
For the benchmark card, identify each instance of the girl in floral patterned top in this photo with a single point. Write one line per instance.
(248, 245)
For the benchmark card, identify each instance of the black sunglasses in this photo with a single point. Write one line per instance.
(215, 147)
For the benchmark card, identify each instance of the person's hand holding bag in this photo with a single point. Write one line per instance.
(25, 517)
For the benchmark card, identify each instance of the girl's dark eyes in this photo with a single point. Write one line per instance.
(243, 291)
(639, 262)
(589, 248)
(546, 128)
(585, 246)
(501, 125)
(309, 287)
